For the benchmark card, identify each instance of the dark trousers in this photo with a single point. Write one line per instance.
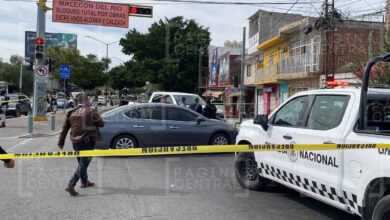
(81, 171)
(2, 151)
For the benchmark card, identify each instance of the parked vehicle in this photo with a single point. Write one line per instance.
(175, 98)
(101, 101)
(354, 180)
(20, 106)
(161, 125)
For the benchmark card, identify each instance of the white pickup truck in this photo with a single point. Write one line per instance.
(357, 181)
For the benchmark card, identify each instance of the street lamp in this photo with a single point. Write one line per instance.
(107, 44)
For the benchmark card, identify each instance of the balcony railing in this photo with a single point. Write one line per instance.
(304, 63)
(266, 73)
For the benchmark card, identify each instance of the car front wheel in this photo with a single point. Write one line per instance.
(246, 171)
(124, 142)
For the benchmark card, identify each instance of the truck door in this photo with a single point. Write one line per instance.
(318, 172)
(281, 130)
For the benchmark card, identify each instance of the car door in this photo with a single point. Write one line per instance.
(22, 104)
(183, 128)
(147, 124)
(319, 171)
(283, 124)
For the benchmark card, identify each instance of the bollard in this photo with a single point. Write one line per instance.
(53, 121)
(30, 123)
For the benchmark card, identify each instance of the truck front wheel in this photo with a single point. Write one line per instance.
(382, 209)
(247, 173)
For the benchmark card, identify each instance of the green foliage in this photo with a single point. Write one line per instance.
(10, 72)
(380, 72)
(167, 55)
(87, 72)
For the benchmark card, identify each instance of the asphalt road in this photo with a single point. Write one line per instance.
(159, 187)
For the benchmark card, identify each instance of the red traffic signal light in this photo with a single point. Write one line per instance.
(39, 41)
(141, 11)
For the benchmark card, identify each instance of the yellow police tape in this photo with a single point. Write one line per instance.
(149, 151)
(14, 100)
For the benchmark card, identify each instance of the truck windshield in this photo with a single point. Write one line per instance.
(189, 99)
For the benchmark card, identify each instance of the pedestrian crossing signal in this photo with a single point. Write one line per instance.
(141, 11)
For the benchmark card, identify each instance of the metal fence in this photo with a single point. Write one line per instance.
(299, 64)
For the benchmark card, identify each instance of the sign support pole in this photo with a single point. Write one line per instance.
(39, 87)
(242, 74)
(64, 95)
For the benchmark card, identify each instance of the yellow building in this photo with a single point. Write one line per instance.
(273, 92)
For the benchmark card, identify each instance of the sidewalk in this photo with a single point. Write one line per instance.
(18, 127)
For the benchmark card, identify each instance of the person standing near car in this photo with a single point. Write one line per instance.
(54, 102)
(196, 106)
(84, 123)
(183, 102)
(3, 107)
(210, 110)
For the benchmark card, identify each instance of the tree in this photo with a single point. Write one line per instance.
(167, 55)
(87, 72)
(380, 72)
(10, 72)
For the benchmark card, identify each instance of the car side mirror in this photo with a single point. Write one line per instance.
(199, 120)
(261, 120)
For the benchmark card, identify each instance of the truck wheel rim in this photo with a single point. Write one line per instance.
(249, 169)
(124, 143)
(221, 140)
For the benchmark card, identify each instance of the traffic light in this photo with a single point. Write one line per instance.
(141, 11)
(39, 48)
(50, 62)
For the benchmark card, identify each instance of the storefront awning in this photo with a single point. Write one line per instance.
(266, 82)
(216, 94)
(236, 94)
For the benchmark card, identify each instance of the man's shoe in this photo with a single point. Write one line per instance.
(2, 125)
(89, 184)
(71, 191)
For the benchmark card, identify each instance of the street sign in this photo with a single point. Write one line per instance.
(91, 12)
(41, 73)
(65, 72)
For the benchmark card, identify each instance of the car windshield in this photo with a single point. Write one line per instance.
(189, 99)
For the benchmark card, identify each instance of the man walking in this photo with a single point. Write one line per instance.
(84, 123)
(3, 108)
(196, 106)
(9, 163)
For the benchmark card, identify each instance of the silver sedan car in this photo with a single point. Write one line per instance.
(149, 125)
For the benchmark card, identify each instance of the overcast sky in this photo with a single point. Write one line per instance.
(224, 21)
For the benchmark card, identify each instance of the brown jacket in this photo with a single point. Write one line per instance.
(84, 123)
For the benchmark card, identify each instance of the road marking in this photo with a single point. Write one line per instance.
(16, 146)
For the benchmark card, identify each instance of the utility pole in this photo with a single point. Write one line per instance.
(242, 74)
(329, 61)
(21, 74)
(200, 70)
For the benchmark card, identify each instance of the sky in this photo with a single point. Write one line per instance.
(225, 22)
